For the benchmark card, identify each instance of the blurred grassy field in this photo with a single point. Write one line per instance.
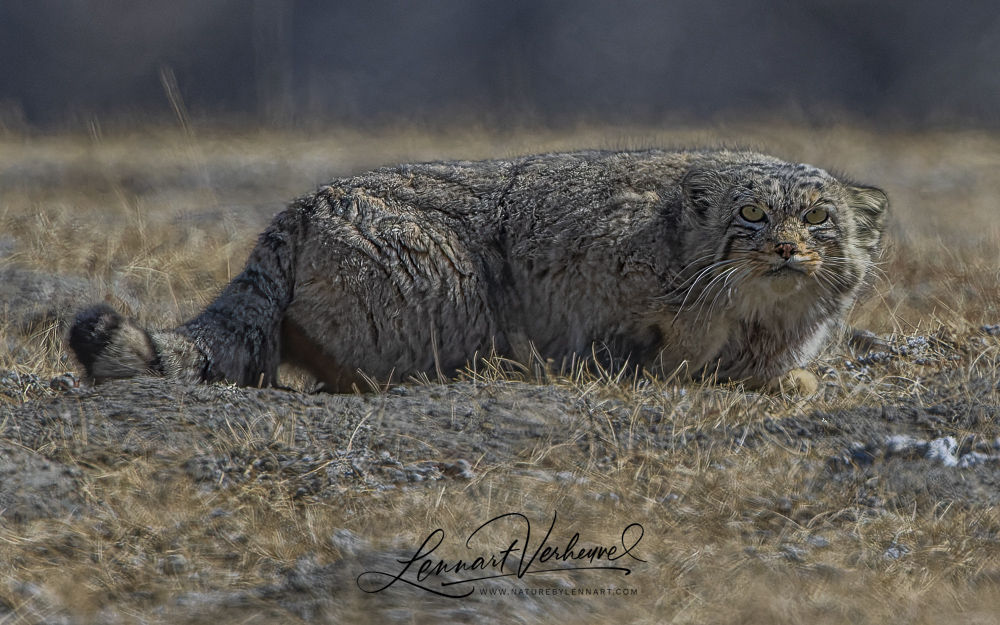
(156, 220)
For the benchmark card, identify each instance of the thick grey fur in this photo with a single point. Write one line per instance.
(635, 258)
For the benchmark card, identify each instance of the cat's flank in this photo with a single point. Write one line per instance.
(727, 264)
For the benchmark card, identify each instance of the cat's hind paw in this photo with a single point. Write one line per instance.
(796, 382)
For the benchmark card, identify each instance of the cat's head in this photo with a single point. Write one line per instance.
(780, 227)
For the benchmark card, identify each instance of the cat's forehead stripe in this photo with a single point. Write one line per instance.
(777, 183)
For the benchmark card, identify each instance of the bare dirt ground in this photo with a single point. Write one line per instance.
(148, 501)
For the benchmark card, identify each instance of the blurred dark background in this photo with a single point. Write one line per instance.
(551, 62)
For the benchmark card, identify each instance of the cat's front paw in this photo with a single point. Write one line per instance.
(796, 382)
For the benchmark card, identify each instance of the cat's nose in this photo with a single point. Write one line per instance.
(786, 250)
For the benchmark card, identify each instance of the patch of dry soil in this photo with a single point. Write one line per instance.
(319, 445)
(325, 443)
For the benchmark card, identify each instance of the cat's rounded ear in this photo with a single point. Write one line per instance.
(700, 187)
(870, 206)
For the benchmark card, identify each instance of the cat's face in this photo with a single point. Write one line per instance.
(777, 228)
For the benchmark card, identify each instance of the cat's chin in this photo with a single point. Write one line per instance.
(786, 281)
(790, 296)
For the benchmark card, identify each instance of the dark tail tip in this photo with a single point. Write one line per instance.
(92, 332)
(109, 345)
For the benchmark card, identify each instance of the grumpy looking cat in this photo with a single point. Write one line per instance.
(726, 264)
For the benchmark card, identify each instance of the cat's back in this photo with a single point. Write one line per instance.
(558, 181)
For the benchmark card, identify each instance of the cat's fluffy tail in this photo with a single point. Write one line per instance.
(236, 339)
(110, 346)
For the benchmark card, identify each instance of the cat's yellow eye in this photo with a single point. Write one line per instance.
(816, 216)
(752, 213)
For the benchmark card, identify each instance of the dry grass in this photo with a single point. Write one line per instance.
(160, 220)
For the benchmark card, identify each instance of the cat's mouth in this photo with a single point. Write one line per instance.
(791, 267)
(794, 267)
(786, 268)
